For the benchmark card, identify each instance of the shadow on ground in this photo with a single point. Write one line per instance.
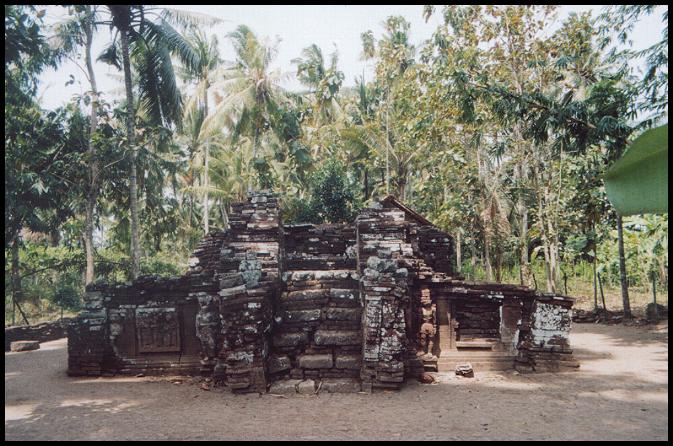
(620, 392)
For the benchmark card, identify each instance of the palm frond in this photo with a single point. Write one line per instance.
(189, 19)
(111, 55)
(165, 35)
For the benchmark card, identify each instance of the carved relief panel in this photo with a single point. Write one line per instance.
(158, 330)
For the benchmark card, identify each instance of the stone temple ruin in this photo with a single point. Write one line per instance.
(347, 307)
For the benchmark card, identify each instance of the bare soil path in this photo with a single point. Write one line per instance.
(620, 393)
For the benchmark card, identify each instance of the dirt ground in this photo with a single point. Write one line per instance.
(619, 393)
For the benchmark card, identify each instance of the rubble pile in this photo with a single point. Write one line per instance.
(600, 315)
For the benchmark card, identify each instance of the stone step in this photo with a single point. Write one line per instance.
(476, 354)
(23, 346)
(479, 364)
(476, 344)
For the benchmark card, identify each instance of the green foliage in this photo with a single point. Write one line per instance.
(638, 181)
(67, 296)
(495, 128)
(333, 197)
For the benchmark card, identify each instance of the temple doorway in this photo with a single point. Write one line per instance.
(471, 330)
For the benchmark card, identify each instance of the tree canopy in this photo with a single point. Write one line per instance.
(506, 128)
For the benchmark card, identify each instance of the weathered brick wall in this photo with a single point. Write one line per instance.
(326, 304)
(544, 344)
(235, 340)
(318, 319)
(46, 331)
(246, 311)
(147, 326)
(203, 264)
(215, 319)
(510, 319)
(383, 250)
(88, 341)
(479, 318)
(436, 248)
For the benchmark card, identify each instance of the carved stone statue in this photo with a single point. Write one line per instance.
(426, 335)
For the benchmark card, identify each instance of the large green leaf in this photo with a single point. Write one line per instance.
(638, 182)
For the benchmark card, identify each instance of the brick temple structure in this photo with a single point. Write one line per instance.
(346, 307)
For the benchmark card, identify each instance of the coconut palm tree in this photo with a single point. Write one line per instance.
(324, 82)
(250, 93)
(70, 35)
(197, 109)
(146, 35)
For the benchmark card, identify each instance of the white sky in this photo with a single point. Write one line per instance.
(297, 27)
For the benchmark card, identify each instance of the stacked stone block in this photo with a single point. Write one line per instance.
(385, 290)
(309, 307)
(246, 313)
(248, 273)
(118, 319)
(479, 318)
(207, 254)
(254, 235)
(436, 248)
(544, 343)
(46, 331)
(87, 338)
(383, 254)
(318, 320)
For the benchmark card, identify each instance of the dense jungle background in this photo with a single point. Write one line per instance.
(497, 129)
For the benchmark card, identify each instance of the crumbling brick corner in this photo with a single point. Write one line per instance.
(88, 337)
(246, 311)
(544, 344)
(382, 236)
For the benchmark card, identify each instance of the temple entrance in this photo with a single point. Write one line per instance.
(469, 330)
(468, 324)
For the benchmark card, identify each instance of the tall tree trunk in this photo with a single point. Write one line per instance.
(487, 260)
(92, 192)
(401, 183)
(545, 246)
(251, 180)
(366, 184)
(17, 292)
(459, 260)
(486, 218)
(473, 259)
(498, 262)
(205, 164)
(542, 225)
(205, 190)
(387, 145)
(224, 214)
(130, 134)
(552, 245)
(622, 268)
(594, 268)
(522, 210)
(553, 253)
(191, 207)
